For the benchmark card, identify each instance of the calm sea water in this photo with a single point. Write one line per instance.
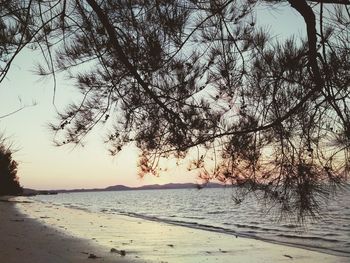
(214, 210)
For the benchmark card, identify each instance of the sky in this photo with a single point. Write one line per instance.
(45, 166)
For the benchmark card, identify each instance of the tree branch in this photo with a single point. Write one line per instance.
(307, 13)
(18, 110)
(119, 52)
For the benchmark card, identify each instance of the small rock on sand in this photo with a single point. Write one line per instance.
(121, 252)
(92, 256)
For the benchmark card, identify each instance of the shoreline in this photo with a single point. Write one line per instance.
(338, 253)
(152, 241)
(208, 210)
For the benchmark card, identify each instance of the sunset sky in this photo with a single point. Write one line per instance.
(44, 166)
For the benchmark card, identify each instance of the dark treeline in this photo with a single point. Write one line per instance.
(9, 184)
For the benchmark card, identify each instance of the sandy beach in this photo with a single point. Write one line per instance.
(26, 240)
(37, 232)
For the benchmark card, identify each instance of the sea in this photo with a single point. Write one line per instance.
(213, 209)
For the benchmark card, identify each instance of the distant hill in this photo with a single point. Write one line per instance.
(117, 188)
(126, 188)
(164, 186)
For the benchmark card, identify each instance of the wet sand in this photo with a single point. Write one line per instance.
(76, 231)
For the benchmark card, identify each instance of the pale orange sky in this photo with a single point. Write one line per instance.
(45, 166)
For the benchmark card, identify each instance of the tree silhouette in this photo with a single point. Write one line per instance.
(188, 78)
(9, 184)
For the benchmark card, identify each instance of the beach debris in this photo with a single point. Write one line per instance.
(121, 252)
(170, 245)
(93, 256)
(288, 256)
(222, 251)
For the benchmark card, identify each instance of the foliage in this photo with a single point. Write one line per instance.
(9, 184)
(174, 77)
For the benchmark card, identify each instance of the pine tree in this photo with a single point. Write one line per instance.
(202, 80)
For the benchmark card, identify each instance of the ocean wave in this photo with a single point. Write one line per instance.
(311, 238)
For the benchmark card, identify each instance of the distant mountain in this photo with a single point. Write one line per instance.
(117, 188)
(163, 186)
(126, 188)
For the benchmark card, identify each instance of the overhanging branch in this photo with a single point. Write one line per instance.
(119, 52)
(310, 20)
